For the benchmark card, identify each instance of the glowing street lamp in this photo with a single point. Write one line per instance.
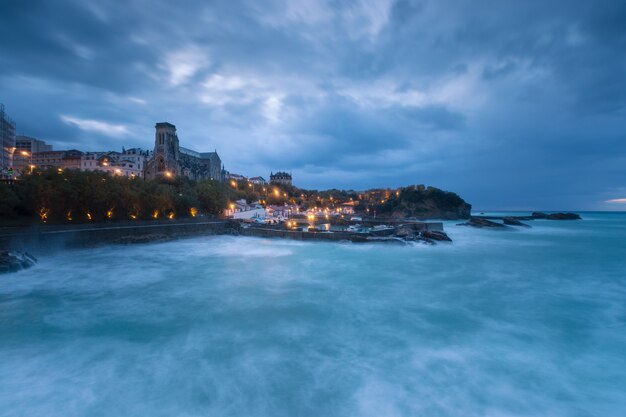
(168, 174)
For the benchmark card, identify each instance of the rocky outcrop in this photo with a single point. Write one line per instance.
(556, 216)
(424, 203)
(434, 235)
(12, 261)
(405, 231)
(479, 222)
(512, 221)
(415, 233)
(564, 216)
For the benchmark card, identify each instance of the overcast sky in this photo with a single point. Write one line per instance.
(512, 104)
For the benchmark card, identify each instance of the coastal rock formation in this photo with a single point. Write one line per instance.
(512, 221)
(424, 203)
(405, 231)
(479, 222)
(556, 216)
(564, 216)
(434, 235)
(12, 261)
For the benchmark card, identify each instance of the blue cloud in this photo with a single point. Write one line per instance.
(514, 104)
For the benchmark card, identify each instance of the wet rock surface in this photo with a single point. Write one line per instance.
(480, 222)
(434, 235)
(512, 221)
(414, 233)
(13, 261)
(555, 216)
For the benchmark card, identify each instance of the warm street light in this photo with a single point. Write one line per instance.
(168, 174)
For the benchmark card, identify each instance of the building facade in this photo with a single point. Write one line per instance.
(169, 159)
(235, 177)
(70, 159)
(25, 148)
(258, 181)
(7, 140)
(128, 163)
(280, 178)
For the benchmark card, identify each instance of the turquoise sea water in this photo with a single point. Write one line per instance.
(501, 323)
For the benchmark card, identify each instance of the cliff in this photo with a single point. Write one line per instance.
(424, 203)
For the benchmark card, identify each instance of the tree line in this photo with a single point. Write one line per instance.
(62, 196)
(56, 196)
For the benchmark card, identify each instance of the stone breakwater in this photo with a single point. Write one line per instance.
(429, 233)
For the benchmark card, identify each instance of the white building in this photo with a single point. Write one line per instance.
(128, 163)
(258, 181)
(240, 209)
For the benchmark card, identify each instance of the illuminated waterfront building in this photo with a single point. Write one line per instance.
(69, 159)
(128, 163)
(25, 148)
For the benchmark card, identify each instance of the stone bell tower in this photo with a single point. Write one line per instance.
(166, 151)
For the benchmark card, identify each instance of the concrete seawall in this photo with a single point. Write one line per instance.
(47, 239)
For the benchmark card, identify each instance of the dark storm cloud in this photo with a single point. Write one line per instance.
(512, 104)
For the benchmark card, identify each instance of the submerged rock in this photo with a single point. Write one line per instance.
(512, 221)
(556, 216)
(481, 222)
(564, 216)
(12, 261)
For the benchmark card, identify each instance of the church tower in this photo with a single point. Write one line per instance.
(166, 151)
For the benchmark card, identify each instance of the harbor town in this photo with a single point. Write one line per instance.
(45, 186)
(73, 198)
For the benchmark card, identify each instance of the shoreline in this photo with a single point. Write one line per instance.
(44, 239)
